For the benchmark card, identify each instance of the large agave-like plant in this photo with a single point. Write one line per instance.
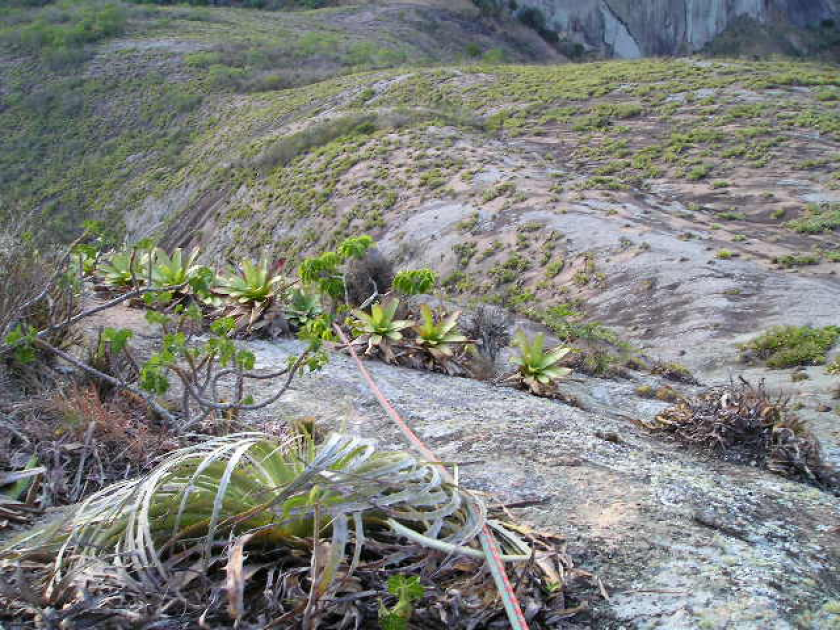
(439, 338)
(253, 289)
(123, 268)
(252, 282)
(380, 329)
(538, 369)
(168, 271)
(258, 492)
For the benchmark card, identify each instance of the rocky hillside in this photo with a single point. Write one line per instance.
(660, 214)
(95, 94)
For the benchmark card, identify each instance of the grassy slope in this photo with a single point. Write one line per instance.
(91, 107)
(730, 150)
(619, 123)
(171, 125)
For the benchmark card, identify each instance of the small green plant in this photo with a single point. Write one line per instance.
(175, 270)
(817, 219)
(327, 272)
(790, 346)
(699, 172)
(438, 337)
(538, 370)
(251, 282)
(380, 329)
(302, 308)
(125, 268)
(407, 590)
(415, 281)
(725, 254)
(797, 260)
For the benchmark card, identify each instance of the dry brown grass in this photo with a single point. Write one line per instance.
(84, 440)
(744, 424)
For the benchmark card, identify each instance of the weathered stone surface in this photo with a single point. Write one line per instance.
(631, 29)
(680, 539)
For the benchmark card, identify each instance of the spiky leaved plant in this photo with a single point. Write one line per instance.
(252, 288)
(439, 338)
(380, 329)
(264, 494)
(302, 307)
(123, 268)
(538, 369)
(169, 271)
(252, 282)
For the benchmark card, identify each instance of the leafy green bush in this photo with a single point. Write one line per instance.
(817, 219)
(58, 37)
(415, 281)
(317, 135)
(789, 346)
(797, 260)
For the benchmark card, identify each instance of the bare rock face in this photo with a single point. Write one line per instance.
(631, 29)
(680, 539)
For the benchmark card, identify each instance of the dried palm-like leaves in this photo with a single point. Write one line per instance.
(255, 531)
(744, 424)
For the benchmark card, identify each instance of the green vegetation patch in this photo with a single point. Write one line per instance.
(818, 218)
(789, 346)
(59, 33)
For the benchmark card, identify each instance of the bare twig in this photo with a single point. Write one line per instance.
(93, 311)
(69, 358)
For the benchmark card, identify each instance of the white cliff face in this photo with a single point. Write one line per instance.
(618, 37)
(636, 28)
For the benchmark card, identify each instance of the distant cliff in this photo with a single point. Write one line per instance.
(639, 28)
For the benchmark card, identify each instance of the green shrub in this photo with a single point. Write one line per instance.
(473, 50)
(495, 55)
(59, 37)
(797, 260)
(699, 172)
(789, 346)
(287, 149)
(817, 219)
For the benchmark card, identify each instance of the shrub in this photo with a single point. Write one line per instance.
(489, 326)
(58, 37)
(796, 260)
(373, 273)
(319, 134)
(415, 281)
(673, 372)
(789, 346)
(495, 56)
(817, 219)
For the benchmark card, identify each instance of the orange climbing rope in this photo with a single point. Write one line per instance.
(488, 541)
